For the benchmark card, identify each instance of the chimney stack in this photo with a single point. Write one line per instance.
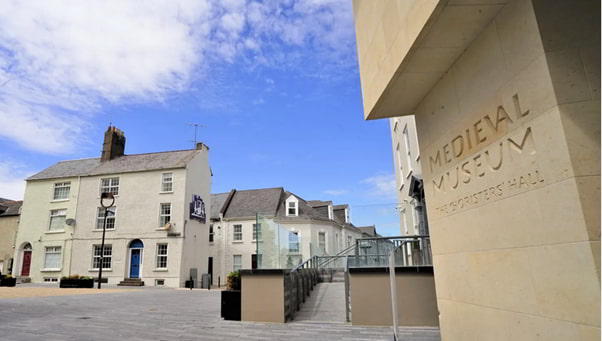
(202, 146)
(114, 144)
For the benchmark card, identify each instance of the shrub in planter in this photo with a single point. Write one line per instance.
(8, 281)
(77, 281)
(233, 281)
(231, 297)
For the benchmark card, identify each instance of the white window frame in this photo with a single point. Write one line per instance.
(111, 187)
(256, 232)
(53, 250)
(164, 218)
(401, 176)
(236, 266)
(111, 216)
(60, 188)
(406, 140)
(237, 235)
(57, 214)
(167, 186)
(108, 254)
(297, 242)
(160, 256)
(322, 244)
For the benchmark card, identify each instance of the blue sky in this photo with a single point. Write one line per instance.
(273, 85)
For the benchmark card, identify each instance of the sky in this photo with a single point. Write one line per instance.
(273, 87)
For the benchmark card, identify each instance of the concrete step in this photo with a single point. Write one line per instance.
(131, 282)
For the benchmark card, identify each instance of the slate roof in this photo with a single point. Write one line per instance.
(318, 203)
(122, 164)
(369, 230)
(217, 202)
(271, 202)
(248, 203)
(12, 207)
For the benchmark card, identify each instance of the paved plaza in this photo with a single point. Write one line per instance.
(159, 314)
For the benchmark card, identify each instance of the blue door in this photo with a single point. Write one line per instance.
(135, 264)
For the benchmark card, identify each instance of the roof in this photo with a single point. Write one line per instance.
(271, 202)
(318, 203)
(306, 211)
(248, 203)
(12, 207)
(122, 164)
(369, 230)
(217, 202)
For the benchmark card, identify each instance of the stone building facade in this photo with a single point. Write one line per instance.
(506, 96)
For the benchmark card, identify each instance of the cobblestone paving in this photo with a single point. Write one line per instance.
(162, 314)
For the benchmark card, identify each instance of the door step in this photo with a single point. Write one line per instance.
(131, 282)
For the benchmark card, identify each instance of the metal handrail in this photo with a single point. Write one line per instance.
(310, 261)
(338, 255)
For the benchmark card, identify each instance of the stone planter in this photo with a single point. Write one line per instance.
(231, 305)
(8, 282)
(77, 283)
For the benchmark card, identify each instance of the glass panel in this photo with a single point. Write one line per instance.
(279, 247)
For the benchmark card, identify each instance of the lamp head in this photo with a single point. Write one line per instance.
(107, 198)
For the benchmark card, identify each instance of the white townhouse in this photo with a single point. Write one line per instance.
(155, 231)
(306, 228)
(408, 176)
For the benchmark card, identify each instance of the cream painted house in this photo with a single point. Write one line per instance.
(408, 171)
(155, 231)
(10, 212)
(307, 228)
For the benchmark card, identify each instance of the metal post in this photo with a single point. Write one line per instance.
(102, 247)
(104, 229)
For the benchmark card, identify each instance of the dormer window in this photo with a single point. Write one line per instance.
(330, 213)
(292, 206)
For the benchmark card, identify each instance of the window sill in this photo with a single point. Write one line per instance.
(56, 231)
(166, 192)
(162, 229)
(255, 241)
(103, 270)
(51, 270)
(100, 230)
(237, 242)
(59, 200)
(160, 270)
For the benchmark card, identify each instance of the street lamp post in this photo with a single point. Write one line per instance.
(103, 196)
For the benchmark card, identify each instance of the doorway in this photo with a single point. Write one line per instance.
(210, 269)
(136, 247)
(25, 268)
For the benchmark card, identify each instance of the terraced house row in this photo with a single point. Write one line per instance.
(163, 227)
(154, 231)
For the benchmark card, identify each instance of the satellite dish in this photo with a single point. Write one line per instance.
(70, 222)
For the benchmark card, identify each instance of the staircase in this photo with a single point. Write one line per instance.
(325, 305)
(131, 282)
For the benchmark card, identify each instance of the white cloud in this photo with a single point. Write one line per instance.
(382, 185)
(61, 60)
(336, 192)
(258, 101)
(12, 179)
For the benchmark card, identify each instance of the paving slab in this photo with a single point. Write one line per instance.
(162, 314)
